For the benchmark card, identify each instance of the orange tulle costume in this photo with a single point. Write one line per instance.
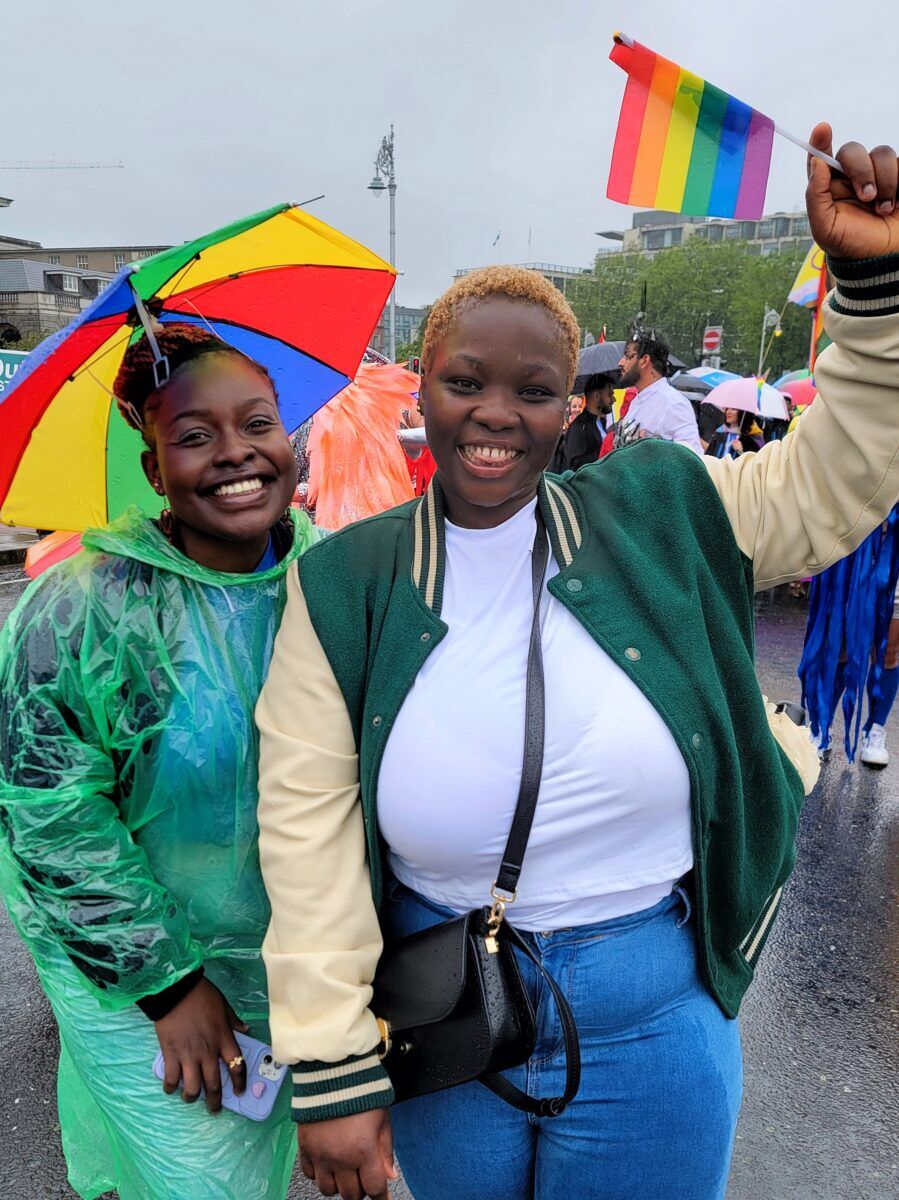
(357, 467)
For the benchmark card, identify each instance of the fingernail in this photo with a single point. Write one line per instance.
(885, 207)
(869, 191)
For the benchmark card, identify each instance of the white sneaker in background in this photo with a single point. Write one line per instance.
(874, 747)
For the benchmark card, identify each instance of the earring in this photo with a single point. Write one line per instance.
(166, 520)
(167, 523)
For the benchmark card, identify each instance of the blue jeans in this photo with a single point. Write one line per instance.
(661, 1080)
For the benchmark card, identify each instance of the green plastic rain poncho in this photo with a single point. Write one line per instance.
(128, 791)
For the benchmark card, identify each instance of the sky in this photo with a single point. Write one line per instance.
(504, 113)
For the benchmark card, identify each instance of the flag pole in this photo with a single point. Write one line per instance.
(816, 319)
(809, 149)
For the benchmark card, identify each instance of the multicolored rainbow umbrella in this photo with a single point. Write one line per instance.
(281, 286)
(801, 391)
(792, 377)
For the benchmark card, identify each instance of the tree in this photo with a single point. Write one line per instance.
(694, 285)
(29, 341)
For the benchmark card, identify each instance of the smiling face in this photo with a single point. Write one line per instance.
(221, 456)
(494, 398)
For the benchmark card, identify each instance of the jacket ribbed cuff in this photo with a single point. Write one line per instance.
(160, 1004)
(323, 1091)
(865, 287)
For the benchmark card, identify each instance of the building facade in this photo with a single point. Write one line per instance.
(653, 231)
(37, 298)
(559, 276)
(106, 260)
(408, 323)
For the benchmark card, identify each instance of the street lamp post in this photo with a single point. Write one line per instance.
(385, 169)
(771, 320)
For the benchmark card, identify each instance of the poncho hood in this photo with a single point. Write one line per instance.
(134, 535)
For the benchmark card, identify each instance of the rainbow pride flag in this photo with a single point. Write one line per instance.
(683, 145)
(807, 285)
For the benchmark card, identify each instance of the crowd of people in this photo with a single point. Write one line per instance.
(242, 762)
(861, 593)
(652, 407)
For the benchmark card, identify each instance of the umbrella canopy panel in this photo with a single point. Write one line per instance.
(599, 359)
(801, 391)
(791, 377)
(749, 395)
(602, 358)
(711, 375)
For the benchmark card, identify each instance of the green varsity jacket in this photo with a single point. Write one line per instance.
(659, 552)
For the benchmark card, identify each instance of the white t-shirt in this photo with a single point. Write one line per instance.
(612, 829)
(662, 410)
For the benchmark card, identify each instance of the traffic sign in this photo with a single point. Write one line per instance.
(711, 339)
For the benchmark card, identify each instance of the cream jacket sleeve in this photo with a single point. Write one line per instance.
(803, 503)
(323, 942)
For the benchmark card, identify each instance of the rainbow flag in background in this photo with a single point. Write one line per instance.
(683, 145)
(807, 284)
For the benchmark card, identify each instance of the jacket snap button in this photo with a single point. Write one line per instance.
(697, 740)
(574, 585)
(633, 654)
(376, 721)
(425, 637)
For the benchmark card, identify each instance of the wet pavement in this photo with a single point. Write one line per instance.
(821, 1108)
(14, 541)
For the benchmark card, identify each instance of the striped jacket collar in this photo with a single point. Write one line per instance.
(559, 510)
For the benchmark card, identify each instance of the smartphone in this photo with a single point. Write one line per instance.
(264, 1078)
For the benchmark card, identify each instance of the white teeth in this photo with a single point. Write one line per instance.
(490, 453)
(239, 488)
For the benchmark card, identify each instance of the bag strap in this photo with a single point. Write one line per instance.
(550, 1106)
(517, 844)
(532, 767)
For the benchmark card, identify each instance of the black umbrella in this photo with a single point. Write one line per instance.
(599, 359)
(685, 382)
(602, 359)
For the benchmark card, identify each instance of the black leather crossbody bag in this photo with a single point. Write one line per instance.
(450, 1001)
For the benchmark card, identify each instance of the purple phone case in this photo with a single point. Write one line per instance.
(264, 1079)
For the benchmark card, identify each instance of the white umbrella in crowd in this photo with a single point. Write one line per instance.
(750, 395)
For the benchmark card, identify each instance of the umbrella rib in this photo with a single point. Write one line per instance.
(110, 345)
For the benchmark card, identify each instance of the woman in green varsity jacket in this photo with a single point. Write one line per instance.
(392, 727)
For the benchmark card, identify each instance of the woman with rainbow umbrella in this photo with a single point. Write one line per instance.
(128, 678)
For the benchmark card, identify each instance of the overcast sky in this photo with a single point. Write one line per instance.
(504, 110)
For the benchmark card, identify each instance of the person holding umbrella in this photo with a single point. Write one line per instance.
(602, 624)
(738, 435)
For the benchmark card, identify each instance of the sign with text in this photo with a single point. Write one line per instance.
(10, 361)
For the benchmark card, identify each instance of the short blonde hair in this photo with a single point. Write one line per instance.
(509, 283)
